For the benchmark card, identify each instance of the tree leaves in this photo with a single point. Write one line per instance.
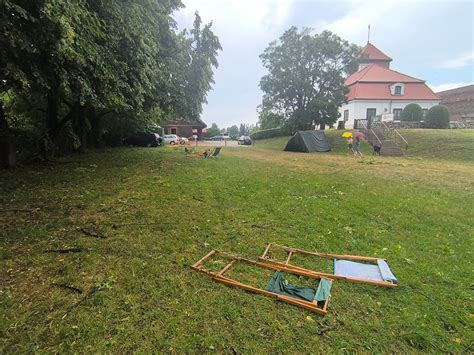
(305, 83)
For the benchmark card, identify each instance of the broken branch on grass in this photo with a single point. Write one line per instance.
(68, 287)
(63, 251)
(19, 210)
(258, 226)
(92, 233)
(324, 330)
(116, 226)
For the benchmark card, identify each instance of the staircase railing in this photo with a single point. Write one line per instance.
(395, 136)
(364, 125)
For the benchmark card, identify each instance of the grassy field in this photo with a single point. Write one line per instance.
(156, 211)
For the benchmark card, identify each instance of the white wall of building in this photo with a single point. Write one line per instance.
(358, 108)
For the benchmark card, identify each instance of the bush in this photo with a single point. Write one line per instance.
(268, 133)
(437, 117)
(412, 112)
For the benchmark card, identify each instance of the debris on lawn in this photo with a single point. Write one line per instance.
(374, 271)
(364, 269)
(67, 287)
(91, 233)
(314, 299)
(63, 251)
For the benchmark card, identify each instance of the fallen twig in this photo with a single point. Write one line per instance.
(63, 251)
(324, 330)
(68, 287)
(19, 210)
(92, 233)
(116, 226)
(258, 226)
(82, 300)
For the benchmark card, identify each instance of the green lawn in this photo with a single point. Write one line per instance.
(161, 211)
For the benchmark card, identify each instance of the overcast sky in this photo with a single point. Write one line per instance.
(429, 40)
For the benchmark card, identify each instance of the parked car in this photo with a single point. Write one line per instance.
(143, 140)
(170, 139)
(219, 137)
(184, 141)
(244, 140)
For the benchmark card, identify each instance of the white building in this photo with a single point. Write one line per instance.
(377, 90)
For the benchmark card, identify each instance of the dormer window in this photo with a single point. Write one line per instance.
(397, 89)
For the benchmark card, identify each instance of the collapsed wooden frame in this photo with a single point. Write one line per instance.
(306, 272)
(219, 276)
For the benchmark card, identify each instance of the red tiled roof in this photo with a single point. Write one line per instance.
(377, 73)
(381, 91)
(373, 53)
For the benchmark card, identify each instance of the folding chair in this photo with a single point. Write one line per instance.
(316, 300)
(364, 269)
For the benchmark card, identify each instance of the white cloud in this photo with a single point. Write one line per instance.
(353, 26)
(462, 61)
(448, 86)
(243, 15)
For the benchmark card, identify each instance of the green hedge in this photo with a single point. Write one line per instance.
(268, 133)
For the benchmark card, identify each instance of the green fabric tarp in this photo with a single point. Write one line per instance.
(278, 284)
(308, 142)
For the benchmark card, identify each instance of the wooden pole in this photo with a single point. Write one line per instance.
(330, 256)
(266, 250)
(199, 262)
(310, 273)
(232, 262)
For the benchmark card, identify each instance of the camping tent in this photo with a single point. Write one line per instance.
(308, 142)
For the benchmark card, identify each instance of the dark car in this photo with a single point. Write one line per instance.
(244, 140)
(143, 140)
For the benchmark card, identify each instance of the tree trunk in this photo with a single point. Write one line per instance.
(7, 144)
(96, 128)
(52, 113)
(81, 119)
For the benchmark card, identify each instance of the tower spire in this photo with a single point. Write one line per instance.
(368, 35)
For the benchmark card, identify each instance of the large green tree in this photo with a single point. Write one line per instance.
(76, 70)
(305, 81)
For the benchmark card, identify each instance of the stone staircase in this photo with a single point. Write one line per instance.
(390, 141)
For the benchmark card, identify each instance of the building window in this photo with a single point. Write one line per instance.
(397, 112)
(425, 111)
(371, 112)
(174, 130)
(397, 89)
(346, 115)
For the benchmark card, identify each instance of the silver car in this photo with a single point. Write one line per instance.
(170, 139)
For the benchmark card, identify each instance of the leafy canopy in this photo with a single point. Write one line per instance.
(437, 117)
(305, 81)
(412, 112)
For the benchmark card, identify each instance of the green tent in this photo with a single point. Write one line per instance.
(308, 142)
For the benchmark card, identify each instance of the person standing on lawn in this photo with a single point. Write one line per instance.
(349, 145)
(357, 152)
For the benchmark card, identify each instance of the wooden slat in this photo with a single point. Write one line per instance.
(302, 304)
(310, 273)
(208, 255)
(327, 255)
(266, 250)
(290, 253)
(232, 262)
